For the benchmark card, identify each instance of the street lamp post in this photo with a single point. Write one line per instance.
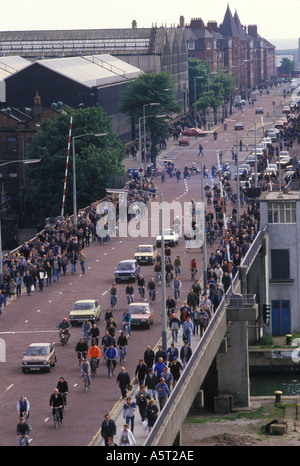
(151, 104)
(140, 139)
(97, 135)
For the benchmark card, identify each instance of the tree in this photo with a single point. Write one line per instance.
(96, 159)
(286, 66)
(146, 89)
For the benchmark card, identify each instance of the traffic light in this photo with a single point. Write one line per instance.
(266, 312)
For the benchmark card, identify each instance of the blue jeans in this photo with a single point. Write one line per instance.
(130, 419)
(56, 275)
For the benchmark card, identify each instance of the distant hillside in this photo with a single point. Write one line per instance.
(287, 52)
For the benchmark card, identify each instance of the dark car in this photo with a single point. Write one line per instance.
(239, 126)
(133, 172)
(184, 141)
(259, 110)
(127, 270)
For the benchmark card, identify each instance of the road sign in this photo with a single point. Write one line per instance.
(141, 172)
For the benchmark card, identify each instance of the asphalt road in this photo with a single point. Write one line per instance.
(34, 318)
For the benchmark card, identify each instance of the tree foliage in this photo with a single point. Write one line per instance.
(95, 160)
(150, 88)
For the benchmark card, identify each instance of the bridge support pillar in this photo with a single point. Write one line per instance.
(232, 366)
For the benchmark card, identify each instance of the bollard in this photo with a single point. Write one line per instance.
(288, 339)
(278, 394)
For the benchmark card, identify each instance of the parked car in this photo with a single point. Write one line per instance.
(85, 309)
(239, 126)
(286, 109)
(250, 160)
(284, 162)
(127, 270)
(193, 132)
(267, 141)
(272, 135)
(279, 124)
(145, 254)
(284, 153)
(142, 315)
(183, 141)
(38, 357)
(259, 110)
(170, 238)
(133, 172)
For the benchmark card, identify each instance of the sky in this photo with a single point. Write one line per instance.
(274, 20)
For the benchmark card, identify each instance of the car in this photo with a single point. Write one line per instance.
(271, 169)
(39, 357)
(291, 116)
(245, 166)
(142, 315)
(133, 173)
(127, 270)
(267, 141)
(272, 134)
(85, 309)
(284, 162)
(170, 238)
(183, 141)
(239, 126)
(284, 121)
(259, 110)
(193, 132)
(286, 109)
(259, 151)
(145, 254)
(284, 153)
(279, 124)
(250, 160)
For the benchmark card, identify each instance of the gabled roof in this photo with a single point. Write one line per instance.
(239, 26)
(11, 65)
(92, 70)
(228, 27)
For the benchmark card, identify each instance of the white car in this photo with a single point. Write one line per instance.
(170, 238)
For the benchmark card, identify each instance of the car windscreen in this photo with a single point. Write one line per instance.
(83, 306)
(37, 351)
(144, 249)
(125, 266)
(139, 310)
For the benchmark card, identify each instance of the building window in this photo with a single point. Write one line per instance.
(280, 264)
(282, 212)
(191, 45)
(11, 145)
(208, 45)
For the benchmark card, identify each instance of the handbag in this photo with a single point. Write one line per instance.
(145, 424)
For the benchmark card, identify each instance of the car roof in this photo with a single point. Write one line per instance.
(145, 245)
(138, 304)
(39, 344)
(127, 260)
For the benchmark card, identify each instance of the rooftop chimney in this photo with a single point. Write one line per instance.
(36, 104)
(181, 22)
(134, 24)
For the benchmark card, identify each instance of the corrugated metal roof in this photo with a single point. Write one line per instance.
(92, 70)
(12, 64)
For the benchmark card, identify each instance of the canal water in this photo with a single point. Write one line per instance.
(267, 384)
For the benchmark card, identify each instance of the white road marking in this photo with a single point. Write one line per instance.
(9, 387)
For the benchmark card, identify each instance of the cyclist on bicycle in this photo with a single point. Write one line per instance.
(122, 344)
(152, 289)
(65, 326)
(85, 370)
(141, 285)
(95, 334)
(86, 328)
(176, 285)
(193, 268)
(23, 429)
(113, 295)
(129, 293)
(63, 389)
(111, 355)
(81, 349)
(126, 321)
(23, 407)
(157, 271)
(177, 266)
(56, 402)
(94, 353)
(107, 340)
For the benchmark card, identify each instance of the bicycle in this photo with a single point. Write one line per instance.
(110, 368)
(122, 352)
(64, 397)
(142, 291)
(93, 366)
(126, 328)
(56, 417)
(168, 278)
(86, 382)
(158, 278)
(176, 294)
(193, 273)
(23, 440)
(152, 295)
(130, 298)
(86, 335)
(113, 302)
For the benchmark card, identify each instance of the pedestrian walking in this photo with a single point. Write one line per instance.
(142, 398)
(152, 413)
(162, 392)
(82, 260)
(123, 379)
(108, 428)
(129, 408)
(126, 437)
